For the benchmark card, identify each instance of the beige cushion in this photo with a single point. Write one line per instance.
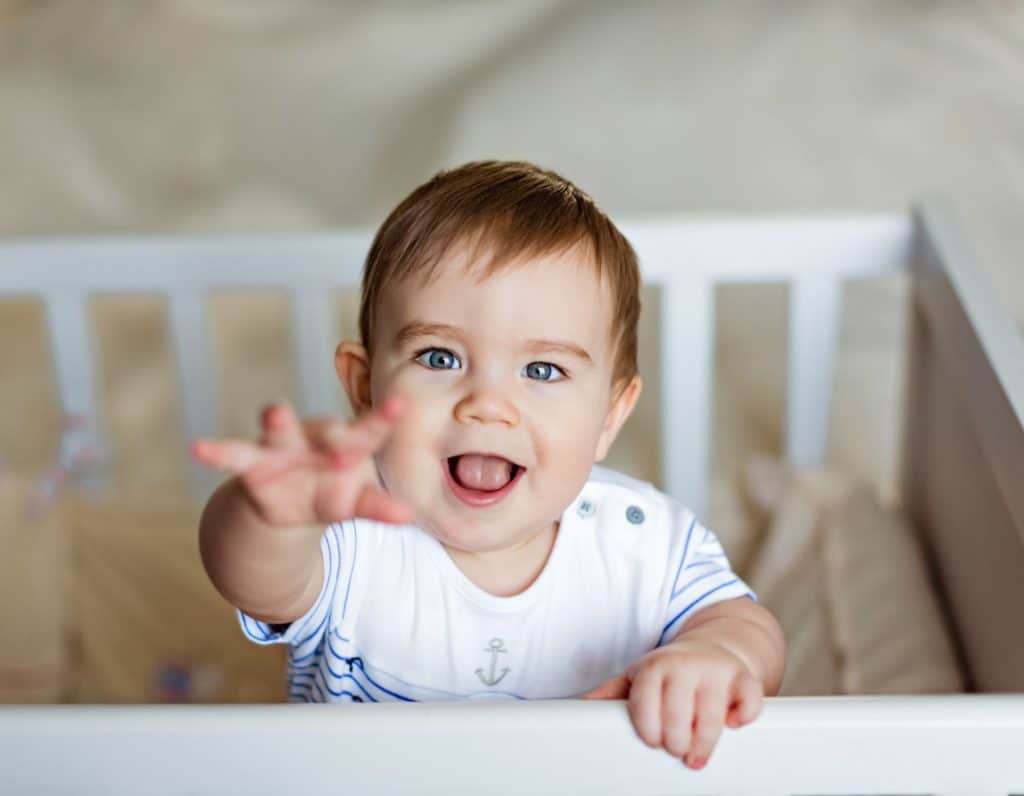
(789, 578)
(888, 627)
(847, 580)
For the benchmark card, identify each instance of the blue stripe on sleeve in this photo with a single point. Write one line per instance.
(352, 565)
(704, 596)
(686, 547)
(261, 632)
(332, 564)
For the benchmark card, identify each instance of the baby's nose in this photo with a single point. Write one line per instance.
(487, 404)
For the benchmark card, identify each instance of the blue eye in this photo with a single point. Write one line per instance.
(543, 371)
(439, 359)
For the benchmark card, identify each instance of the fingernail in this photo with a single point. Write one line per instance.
(696, 762)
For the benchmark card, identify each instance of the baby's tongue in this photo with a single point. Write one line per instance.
(485, 473)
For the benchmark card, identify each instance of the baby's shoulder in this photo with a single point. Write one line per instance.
(631, 510)
(366, 540)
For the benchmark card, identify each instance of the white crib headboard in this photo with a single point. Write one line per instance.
(685, 258)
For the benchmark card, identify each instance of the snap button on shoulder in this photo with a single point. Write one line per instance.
(586, 508)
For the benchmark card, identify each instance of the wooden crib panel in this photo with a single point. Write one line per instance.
(964, 453)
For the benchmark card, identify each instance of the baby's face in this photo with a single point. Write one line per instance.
(508, 388)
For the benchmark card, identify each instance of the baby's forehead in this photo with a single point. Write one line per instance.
(476, 266)
(542, 294)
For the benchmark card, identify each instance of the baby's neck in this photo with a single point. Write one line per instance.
(505, 573)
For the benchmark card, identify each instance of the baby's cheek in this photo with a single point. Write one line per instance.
(571, 435)
(565, 455)
(399, 463)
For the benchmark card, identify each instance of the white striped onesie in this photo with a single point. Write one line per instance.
(397, 620)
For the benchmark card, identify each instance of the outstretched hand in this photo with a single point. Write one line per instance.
(316, 471)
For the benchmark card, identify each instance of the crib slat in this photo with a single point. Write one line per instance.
(687, 338)
(73, 358)
(189, 330)
(814, 312)
(313, 335)
(72, 351)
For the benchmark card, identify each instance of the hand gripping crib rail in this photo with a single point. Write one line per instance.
(963, 462)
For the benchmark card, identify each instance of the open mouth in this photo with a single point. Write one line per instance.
(481, 479)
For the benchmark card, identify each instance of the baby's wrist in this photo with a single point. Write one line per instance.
(718, 648)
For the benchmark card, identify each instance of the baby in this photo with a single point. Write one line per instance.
(472, 548)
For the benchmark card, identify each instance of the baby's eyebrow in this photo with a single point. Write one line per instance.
(415, 329)
(559, 347)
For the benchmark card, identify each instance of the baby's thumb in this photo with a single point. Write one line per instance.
(616, 688)
(375, 504)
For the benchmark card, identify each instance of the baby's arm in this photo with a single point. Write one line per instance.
(260, 532)
(748, 631)
(272, 573)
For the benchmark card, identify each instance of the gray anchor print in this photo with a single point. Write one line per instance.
(496, 645)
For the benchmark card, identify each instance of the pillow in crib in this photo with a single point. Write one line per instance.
(847, 580)
(889, 630)
(786, 572)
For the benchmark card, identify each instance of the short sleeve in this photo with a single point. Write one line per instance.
(698, 575)
(307, 630)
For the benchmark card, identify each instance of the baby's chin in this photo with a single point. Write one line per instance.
(469, 537)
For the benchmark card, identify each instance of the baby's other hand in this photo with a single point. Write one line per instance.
(681, 695)
(312, 472)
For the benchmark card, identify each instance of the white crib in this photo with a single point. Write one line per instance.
(965, 434)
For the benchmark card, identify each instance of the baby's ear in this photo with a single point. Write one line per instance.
(623, 400)
(352, 362)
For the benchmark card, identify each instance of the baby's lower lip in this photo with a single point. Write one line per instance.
(475, 497)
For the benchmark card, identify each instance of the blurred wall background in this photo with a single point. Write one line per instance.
(186, 116)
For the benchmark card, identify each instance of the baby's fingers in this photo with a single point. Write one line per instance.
(365, 434)
(709, 716)
(233, 456)
(376, 504)
(746, 704)
(677, 715)
(615, 688)
(645, 705)
(281, 427)
(277, 464)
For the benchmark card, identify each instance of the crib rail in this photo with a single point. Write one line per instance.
(685, 258)
(823, 745)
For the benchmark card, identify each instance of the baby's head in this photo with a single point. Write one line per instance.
(502, 305)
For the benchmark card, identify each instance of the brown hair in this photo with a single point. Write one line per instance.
(509, 210)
